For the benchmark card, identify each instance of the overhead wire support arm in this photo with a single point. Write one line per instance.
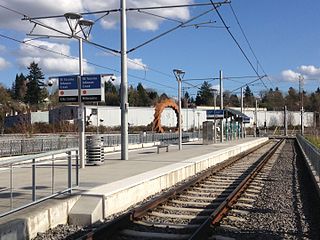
(156, 15)
(66, 35)
(178, 6)
(247, 84)
(168, 31)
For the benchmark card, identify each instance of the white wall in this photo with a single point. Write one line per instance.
(140, 116)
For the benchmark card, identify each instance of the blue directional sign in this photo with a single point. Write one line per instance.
(92, 88)
(90, 81)
(68, 88)
(215, 114)
(246, 120)
(68, 82)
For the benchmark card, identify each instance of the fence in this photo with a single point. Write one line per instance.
(312, 153)
(12, 147)
(49, 175)
(115, 139)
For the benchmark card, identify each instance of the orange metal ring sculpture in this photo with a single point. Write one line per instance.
(167, 103)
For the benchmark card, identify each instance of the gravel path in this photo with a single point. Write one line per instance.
(287, 207)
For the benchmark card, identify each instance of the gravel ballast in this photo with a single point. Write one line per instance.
(286, 208)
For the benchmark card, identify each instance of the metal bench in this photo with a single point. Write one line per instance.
(163, 146)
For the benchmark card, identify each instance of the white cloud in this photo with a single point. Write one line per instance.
(50, 62)
(309, 70)
(306, 71)
(136, 64)
(3, 63)
(140, 20)
(35, 8)
(289, 75)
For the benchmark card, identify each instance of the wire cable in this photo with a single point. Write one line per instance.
(247, 40)
(88, 62)
(237, 43)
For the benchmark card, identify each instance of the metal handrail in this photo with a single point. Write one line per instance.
(311, 152)
(32, 161)
(14, 147)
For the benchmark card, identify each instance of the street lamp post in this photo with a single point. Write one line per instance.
(221, 103)
(198, 125)
(74, 20)
(214, 120)
(242, 124)
(179, 75)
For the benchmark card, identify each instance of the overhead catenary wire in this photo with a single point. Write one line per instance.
(249, 44)
(113, 52)
(95, 45)
(237, 43)
(76, 58)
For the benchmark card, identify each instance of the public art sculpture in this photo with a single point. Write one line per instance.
(167, 103)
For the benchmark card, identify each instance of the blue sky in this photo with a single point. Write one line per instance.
(283, 34)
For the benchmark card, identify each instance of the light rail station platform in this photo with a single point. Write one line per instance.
(118, 184)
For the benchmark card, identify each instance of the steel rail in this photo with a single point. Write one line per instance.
(107, 230)
(225, 206)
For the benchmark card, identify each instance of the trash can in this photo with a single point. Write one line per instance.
(95, 151)
(207, 133)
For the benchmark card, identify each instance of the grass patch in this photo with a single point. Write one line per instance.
(314, 140)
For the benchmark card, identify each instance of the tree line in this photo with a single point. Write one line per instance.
(30, 92)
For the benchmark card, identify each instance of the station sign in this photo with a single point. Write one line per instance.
(246, 120)
(68, 88)
(92, 88)
(215, 114)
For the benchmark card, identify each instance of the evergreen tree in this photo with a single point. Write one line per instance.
(143, 98)
(35, 93)
(248, 99)
(19, 87)
(112, 97)
(205, 96)
(292, 100)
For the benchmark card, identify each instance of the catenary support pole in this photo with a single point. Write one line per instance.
(81, 110)
(242, 124)
(124, 84)
(221, 104)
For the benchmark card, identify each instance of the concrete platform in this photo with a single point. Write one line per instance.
(117, 185)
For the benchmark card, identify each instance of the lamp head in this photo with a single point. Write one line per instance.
(85, 22)
(178, 71)
(71, 15)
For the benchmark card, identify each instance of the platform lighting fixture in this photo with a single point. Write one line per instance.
(179, 74)
(74, 20)
(214, 91)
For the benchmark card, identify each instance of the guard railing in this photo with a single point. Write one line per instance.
(27, 180)
(13, 147)
(312, 153)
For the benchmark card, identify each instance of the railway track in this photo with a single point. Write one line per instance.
(189, 211)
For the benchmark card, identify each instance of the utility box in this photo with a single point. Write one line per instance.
(95, 151)
(207, 132)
